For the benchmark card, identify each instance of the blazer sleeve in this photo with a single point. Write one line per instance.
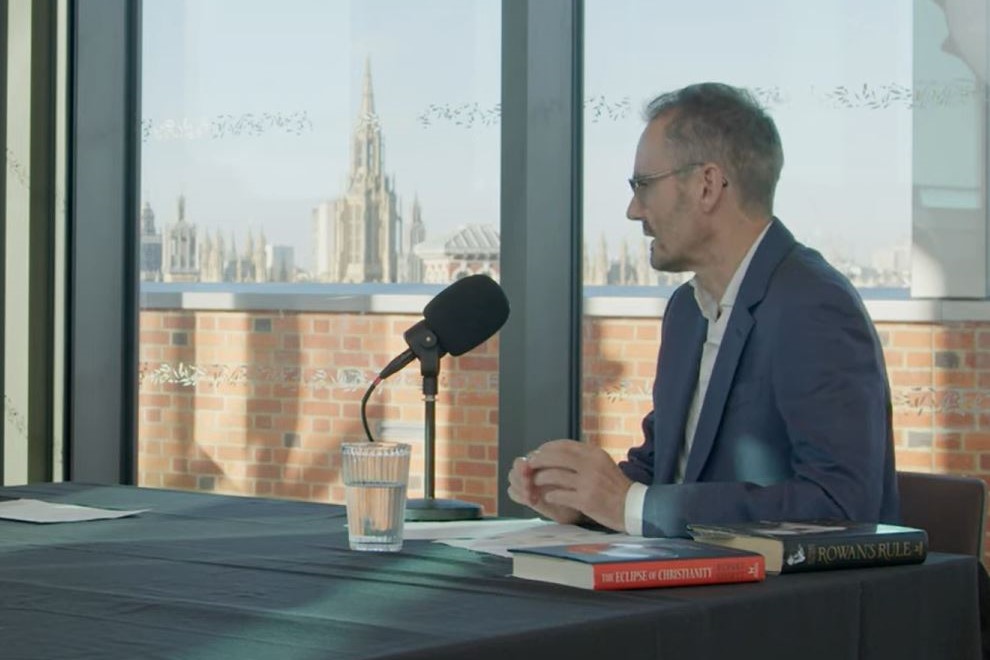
(638, 465)
(829, 387)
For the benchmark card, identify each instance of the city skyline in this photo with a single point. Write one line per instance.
(625, 265)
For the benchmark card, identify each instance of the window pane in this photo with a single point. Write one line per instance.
(313, 172)
(836, 77)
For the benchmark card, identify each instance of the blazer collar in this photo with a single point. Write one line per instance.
(777, 243)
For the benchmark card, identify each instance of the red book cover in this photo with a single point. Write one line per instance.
(639, 564)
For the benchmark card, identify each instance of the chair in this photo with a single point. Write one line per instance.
(950, 508)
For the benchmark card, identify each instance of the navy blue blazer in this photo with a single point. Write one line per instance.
(796, 423)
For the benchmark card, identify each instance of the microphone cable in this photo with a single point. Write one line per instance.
(364, 406)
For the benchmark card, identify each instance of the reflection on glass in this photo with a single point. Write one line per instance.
(949, 168)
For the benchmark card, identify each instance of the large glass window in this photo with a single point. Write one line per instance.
(312, 173)
(836, 77)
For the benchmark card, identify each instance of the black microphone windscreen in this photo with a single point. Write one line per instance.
(466, 313)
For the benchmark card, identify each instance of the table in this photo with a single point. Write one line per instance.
(211, 576)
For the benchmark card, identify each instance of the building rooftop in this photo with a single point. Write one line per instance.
(473, 239)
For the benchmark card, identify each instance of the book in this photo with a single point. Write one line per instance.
(638, 564)
(814, 545)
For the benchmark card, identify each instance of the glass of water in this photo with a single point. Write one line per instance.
(375, 477)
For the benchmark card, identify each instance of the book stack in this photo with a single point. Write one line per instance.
(636, 564)
(790, 547)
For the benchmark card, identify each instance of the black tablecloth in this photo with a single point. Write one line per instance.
(208, 576)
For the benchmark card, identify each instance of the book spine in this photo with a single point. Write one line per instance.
(817, 554)
(676, 573)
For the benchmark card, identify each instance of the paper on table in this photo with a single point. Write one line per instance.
(46, 512)
(467, 529)
(548, 534)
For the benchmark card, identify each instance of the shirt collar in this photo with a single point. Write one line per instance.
(706, 302)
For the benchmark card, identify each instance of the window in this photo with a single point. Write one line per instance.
(836, 77)
(312, 173)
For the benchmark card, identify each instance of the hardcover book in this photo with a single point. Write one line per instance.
(815, 545)
(639, 564)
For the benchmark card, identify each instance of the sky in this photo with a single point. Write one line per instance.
(266, 96)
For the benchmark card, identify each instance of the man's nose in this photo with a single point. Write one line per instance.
(634, 210)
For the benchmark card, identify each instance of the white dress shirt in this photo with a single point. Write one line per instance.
(717, 315)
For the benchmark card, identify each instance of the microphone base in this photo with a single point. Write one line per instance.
(431, 509)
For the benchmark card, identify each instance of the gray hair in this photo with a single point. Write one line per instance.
(714, 122)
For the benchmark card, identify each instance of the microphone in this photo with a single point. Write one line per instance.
(458, 319)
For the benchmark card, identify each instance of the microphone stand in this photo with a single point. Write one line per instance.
(423, 343)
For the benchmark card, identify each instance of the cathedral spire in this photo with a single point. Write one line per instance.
(367, 96)
(368, 213)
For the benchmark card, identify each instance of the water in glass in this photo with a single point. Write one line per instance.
(375, 511)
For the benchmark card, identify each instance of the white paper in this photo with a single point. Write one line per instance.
(542, 535)
(46, 512)
(467, 529)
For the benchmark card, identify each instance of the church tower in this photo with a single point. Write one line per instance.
(181, 253)
(415, 235)
(366, 220)
(260, 259)
(214, 257)
(151, 246)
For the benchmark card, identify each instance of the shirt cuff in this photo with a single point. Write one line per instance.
(635, 499)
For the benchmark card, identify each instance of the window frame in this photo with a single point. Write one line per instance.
(104, 180)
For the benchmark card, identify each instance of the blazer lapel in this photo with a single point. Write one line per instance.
(736, 334)
(677, 378)
(777, 243)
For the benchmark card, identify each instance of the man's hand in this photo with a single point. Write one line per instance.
(523, 490)
(569, 476)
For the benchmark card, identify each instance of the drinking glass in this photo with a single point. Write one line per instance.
(375, 478)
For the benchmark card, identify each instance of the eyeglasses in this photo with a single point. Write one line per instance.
(638, 183)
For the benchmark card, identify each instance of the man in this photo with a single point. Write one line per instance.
(771, 398)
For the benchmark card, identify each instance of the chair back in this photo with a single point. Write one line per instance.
(950, 508)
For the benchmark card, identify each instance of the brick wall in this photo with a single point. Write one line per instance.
(258, 403)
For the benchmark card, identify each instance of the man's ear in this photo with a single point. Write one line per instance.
(714, 186)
